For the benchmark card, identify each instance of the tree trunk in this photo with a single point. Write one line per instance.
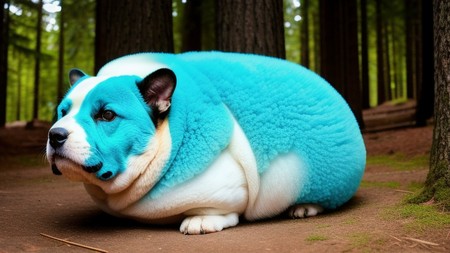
(316, 35)
(4, 32)
(387, 62)
(19, 87)
(61, 74)
(339, 59)
(191, 33)
(437, 185)
(37, 62)
(253, 26)
(381, 87)
(412, 35)
(132, 26)
(364, 57)
(304, 34)
(425, 99)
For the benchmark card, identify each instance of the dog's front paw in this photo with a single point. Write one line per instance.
(304, 210)
(204, 224)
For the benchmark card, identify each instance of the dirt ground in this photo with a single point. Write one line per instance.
(34, 201)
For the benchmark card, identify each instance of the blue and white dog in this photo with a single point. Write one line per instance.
(204, 138)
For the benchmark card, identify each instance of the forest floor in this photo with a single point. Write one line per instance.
(377, 219)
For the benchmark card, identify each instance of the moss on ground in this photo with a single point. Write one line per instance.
(399, 162)
(316, 238)
(417, 217)
(389, 184)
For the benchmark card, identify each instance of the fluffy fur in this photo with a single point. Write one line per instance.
(240, 135)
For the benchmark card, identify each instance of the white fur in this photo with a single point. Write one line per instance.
(279, 187)
(195, 225)
(220, 190)
(138, 64)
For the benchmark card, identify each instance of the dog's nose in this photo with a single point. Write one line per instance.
(57, 136)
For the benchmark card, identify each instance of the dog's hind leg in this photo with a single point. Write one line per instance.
(304, 210)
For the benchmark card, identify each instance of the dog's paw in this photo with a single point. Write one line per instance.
(304, 210)
(204, 224)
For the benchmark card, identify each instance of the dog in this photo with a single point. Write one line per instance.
(206, 138)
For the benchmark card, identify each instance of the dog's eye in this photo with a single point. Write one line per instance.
(106, 115)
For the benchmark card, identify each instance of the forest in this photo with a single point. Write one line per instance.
(372, 51)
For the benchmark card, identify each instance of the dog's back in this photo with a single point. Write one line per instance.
(282, 108)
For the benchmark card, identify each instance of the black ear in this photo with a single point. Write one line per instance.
(157, 90)
(74, 75)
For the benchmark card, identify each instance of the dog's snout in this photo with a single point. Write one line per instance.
(57, 136)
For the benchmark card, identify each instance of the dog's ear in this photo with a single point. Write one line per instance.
(75, 75)
(157, 90)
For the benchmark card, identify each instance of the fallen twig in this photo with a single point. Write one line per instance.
(421, 241)
(74, 243)
(395, 238)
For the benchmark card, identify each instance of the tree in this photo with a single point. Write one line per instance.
(191, 34)
(425, 98)
(437, 185)
(364, 57)
(4, 32)
(37, 61)
(61, 76)
(413, 50)
(131, 26)
(339, 59)
(254, 26)
(381, 67)
(304, 34)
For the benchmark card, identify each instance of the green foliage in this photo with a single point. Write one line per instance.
(79, 37)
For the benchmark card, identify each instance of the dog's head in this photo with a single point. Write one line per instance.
(104, 121)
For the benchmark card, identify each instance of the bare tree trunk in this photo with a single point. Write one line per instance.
(339, 59)
(37, 62)
(61, 75)
(131, 26)
(19, 87)
(4, 32)
(382, 97)
(364, 57)
(437, 185)
(304, 34)
(387, 62)
(412, 35)
(425, 99)
(253, 26)
(191, 34)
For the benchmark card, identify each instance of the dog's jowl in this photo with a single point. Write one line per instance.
(206, 139)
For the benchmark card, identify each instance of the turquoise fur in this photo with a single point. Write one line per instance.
(282, 108)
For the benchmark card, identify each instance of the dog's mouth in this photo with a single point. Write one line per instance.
(59, 161)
